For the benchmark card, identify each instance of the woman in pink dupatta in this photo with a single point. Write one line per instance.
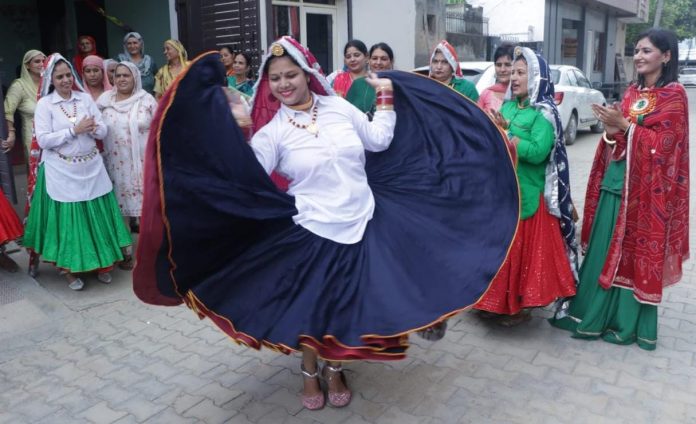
(493, 96)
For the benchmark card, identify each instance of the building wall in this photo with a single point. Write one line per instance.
(592, 21)
(377, 21)
(513, 16)
(149, 18)
(19, 32)
(429, 29)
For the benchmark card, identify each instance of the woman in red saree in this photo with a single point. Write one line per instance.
(636, 223)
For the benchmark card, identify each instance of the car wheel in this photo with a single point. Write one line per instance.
(598, 127)
(571, 129)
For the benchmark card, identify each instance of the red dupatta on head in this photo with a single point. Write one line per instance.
(651, 237)
(80, 56)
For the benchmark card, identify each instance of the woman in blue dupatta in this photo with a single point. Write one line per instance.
(541, 265)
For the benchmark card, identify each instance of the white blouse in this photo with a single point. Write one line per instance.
(326, 172)
(73, 167)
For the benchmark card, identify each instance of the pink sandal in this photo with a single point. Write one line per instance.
(337, 399)
(312, 402)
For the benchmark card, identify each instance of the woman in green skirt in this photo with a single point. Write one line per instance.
(636, 224)
(74, 220)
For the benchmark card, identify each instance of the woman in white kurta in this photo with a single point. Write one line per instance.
(127, 111)
(73, 221)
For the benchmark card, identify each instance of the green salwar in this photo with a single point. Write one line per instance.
(75, 236)
(614, 314)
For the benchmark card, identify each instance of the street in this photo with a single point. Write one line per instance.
(102, 356)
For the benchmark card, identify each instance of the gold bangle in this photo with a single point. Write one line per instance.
(606, 140)
(244, 122)
(385, 107)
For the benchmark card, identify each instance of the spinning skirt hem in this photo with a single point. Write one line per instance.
(375, 347)
(10, 226)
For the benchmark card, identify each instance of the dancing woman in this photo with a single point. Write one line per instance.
(384, 229)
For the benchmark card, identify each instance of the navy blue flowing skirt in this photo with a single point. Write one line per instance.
(218, 235)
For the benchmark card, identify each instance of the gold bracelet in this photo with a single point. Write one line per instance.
(385, 107)
(606, 140)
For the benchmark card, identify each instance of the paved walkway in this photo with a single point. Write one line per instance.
(100, 356)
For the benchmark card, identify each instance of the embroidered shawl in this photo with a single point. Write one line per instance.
(651, 237)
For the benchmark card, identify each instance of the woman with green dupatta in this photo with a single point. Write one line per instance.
(361, 94)
(74, 221)
(636, 221)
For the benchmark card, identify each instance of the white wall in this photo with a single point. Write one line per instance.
(377, 21)
(513, 16)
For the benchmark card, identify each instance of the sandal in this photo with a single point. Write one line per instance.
(33, 269)
(312, 402)
(514, 320)
(435, 332)
(337, 399)
(127, 263)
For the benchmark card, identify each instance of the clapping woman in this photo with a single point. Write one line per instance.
(74, 220)
(636, 221)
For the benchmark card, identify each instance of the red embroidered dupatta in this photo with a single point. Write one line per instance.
(651, 237)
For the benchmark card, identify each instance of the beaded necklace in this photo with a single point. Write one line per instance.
(312, 127)
(72, 118)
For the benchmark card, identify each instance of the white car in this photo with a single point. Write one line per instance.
(574, 98)
(687, 76)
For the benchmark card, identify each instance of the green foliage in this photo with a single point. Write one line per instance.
(677, 15)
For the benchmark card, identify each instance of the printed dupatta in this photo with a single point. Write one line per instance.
(651, 237)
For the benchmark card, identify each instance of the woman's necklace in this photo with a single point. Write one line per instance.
(72, 118)
(312, 127)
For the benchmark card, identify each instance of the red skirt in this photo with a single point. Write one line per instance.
(10, 226)
(536, 271)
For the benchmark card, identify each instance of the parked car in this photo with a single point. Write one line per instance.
(574, 98)
(687, 76)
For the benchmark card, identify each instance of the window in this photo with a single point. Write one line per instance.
(555, 76)
(286, 21)
(570, 77)
(600, 44)
(582, 81)
(569, 44)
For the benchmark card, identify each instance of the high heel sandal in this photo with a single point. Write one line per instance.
(312, 402)
(337, 399)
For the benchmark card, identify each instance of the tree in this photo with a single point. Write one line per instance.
(677, 15)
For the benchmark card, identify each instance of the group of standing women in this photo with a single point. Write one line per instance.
(385, 230)
(85, 176)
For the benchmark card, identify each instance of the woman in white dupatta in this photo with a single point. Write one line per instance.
(127, 110)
